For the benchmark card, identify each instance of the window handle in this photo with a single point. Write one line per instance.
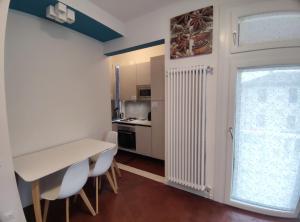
(231, 132)
(234, 37)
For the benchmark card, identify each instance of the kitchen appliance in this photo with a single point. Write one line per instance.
(126, 137)
(149, 116)
(143, 92)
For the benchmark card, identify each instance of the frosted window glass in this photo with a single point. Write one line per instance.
(293, 95)
(266, 170)
(269, 27)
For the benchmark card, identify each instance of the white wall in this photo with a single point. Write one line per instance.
(156, 25)
(56, 84)
(9, 201)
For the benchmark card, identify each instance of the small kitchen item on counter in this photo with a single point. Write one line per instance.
(149, 116)
(121, 115)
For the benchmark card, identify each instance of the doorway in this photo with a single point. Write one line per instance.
(137, 98)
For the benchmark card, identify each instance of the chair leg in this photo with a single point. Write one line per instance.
(111, 183)
(117, 167)
(114, 176)
(100, 182)
(67, 210)
(46, 207)
(97, 195)
(87, 202)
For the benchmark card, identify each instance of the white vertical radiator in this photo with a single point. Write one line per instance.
(186, 126)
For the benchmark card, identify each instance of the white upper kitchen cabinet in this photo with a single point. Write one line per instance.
(143, 73)
(128, 82)
(158, 78)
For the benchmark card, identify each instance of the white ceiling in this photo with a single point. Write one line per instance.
(126, 10)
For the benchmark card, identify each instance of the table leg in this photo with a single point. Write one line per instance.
(35, 189)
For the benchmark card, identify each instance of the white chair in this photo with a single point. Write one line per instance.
(101, 165)
(112, 137)
(64, 184)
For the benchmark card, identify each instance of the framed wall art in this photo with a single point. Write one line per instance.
(191, 33)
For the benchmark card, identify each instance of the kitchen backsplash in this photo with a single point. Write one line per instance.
(138, 109)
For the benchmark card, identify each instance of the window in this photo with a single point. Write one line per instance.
(291, 122)
(293, 96)
(265, 30)
(117, 88)
(297, 146)
(263, 166)
(266, 168)
(260, 121)
(262, 95)
(269, 27)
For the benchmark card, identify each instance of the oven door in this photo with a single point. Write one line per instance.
(126, 139)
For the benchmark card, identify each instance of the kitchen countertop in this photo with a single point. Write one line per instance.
(133, 122)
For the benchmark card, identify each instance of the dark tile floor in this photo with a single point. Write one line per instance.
(143, 200)
(141, 162)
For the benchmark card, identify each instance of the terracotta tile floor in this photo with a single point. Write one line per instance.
(143, 200)
(141, 162)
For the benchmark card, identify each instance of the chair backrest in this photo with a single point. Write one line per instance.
(74, 179)
(112, 137)
(103, 162)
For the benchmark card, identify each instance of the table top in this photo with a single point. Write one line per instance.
(33, 166)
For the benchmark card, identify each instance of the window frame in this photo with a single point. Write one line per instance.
(256, 10)
(236, 64)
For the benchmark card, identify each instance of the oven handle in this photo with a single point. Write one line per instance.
(125, 132)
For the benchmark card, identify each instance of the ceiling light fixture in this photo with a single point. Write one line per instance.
(60, 13)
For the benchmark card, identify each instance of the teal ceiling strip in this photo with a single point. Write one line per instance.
(143, 46)
(83, 23)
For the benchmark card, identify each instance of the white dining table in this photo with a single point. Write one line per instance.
(34, 166)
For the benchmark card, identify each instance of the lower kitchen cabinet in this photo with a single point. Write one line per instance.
(149, 140)
(128, 82)
(143, 140)
(158, 129)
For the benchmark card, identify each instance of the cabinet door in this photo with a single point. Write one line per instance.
(128, 82)
(143, 140)
(143, 73)
(158, 78)
(158, 129)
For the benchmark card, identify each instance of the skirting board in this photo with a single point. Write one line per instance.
(163, 180)
(142, 173)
